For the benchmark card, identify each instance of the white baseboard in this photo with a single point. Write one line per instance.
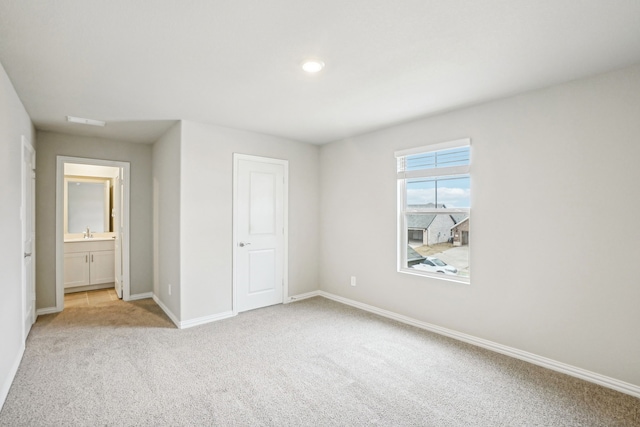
(302, 296)
(205, 319)
(166, 310)
(554, 365)
(47, 310)
(192, 322)
(6, 385)
(144, 295)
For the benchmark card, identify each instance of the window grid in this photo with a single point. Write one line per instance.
(427, 172)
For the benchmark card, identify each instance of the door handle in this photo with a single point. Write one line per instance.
(243, 244)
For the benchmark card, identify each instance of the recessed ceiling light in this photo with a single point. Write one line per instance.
(312, 66)
(85, 121)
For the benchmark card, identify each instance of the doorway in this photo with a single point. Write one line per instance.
(260, 218)
(92, 226)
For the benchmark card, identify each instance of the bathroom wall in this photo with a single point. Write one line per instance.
(139, 156)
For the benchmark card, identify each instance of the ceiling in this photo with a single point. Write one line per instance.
(140, 65)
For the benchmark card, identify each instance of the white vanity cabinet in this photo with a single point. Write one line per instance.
(88, 262)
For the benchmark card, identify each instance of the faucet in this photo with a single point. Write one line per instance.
(87, 233)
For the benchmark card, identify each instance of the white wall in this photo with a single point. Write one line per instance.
(139, 156)
(550, 170)
(206, 217)
(14, 122)
(166, 218)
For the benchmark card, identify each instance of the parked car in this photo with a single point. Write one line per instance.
(436, 265)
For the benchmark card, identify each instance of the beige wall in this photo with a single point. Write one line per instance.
(206, 215)
(166, 218)
(139, 156)
(14, 122)
(559, 160)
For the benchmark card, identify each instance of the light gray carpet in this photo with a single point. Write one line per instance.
(313, 362)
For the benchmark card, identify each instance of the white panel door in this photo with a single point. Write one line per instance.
(28, 235)
(259, 239)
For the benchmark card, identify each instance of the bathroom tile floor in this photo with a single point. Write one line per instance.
(90, 298)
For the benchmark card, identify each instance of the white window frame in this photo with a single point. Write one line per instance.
(402, 177)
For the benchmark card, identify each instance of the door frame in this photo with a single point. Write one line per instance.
(118, 196)
(28, 294)
(126, 166)
(285, 274)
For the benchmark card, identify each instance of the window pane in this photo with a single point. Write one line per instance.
(421, 193)
(438, 159)
(441, 192)
(434, 211)
(438, 243)
(453, 192)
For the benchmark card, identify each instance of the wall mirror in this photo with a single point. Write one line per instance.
(87, 203)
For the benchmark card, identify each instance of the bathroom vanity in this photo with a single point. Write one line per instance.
(88, 264)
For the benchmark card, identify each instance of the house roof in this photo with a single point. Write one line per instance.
(460, 222)
(458, 218)
(421, 221)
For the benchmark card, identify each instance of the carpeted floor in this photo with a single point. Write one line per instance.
(314, 362)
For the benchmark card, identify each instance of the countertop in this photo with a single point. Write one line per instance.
(92, 239)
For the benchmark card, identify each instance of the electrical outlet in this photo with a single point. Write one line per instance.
(169, 288)
(353, 280)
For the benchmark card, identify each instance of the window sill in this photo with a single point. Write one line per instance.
(438, 276)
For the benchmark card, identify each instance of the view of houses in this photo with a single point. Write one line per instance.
(443, 236)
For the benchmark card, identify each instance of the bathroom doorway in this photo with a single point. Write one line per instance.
(92, 227)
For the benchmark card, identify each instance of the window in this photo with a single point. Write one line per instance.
(434, 201)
